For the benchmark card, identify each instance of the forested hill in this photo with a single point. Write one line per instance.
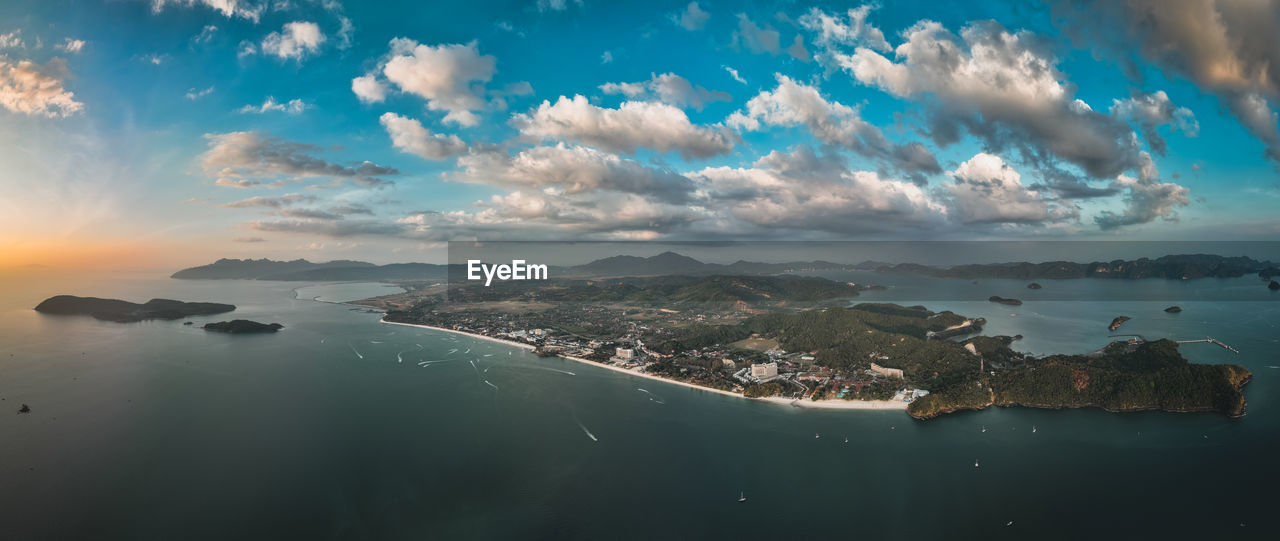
(665, 290)
(1122, 377)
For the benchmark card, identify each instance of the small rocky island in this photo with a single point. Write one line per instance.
(1117, 322)
(1003, 300)
(1173, 309)
(242, 326)
(129, 312)
(1034, 285)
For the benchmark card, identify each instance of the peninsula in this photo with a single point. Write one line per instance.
(802, 341)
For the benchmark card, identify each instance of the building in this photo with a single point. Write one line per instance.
(625, 353)
(886, 372)
(764, 372)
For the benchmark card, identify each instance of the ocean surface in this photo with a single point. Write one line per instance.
(331, 429)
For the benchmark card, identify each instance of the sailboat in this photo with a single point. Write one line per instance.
(1033, 429)
(742, 497)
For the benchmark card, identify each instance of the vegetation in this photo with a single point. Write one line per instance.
(665, 290)
(1122, 377)
(128, 312)
(762, 390)
(242, 326)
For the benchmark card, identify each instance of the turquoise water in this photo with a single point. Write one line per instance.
(330, 429)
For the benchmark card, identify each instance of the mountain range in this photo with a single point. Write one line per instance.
(1174, 267)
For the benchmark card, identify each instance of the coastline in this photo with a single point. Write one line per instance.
(794, 402)
(480, 336)
(836, 404)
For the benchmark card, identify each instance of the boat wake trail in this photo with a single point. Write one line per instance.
(587, 432)
(487, 382)
(566, 372)
(400, 356)
(652, 397)
(354, 350)
(452, 351)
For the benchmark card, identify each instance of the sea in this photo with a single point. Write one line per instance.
(341, 427)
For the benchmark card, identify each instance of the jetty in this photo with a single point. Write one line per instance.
(1211, 341)
(1139, 339)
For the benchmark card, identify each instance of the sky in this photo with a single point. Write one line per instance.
(168, 133)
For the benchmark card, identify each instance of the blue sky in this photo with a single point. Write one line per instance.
(182, 130)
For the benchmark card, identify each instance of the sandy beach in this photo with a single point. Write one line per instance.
(839, 404)
(480, 336)
(799, 403)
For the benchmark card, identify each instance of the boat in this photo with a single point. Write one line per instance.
(846, 439)
(984, 428)
(742, 497)
(816, 436)
(1033, 429)
(1010, 523)
(975, 463)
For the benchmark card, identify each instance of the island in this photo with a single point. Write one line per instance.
(242, 326)
(1117, 322)
(128, 312)
(24, 409)
(805, 342)
(1173, 309)
(1169, 267)
(1034, 285)
(1003, 300)
(1274, 285)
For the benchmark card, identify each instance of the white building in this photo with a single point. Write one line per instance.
(625, 353)
(887, 372)
(764, 372)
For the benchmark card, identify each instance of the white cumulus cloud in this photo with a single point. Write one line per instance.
(631, 126)
(32, 89)
(408, 135)
(294, 41)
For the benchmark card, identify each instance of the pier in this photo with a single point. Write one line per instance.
(1211, 341)
(1139, 339)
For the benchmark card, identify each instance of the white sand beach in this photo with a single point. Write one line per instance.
(837, 404)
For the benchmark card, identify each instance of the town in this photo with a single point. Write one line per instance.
(646, 341)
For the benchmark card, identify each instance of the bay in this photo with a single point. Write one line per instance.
(331, 429)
